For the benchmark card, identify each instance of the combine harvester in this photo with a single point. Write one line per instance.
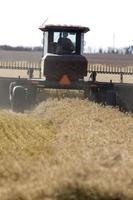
(63, 66)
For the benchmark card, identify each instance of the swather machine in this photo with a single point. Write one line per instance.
(64, 66)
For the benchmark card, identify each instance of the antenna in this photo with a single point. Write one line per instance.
(45, 21)
(113, 40)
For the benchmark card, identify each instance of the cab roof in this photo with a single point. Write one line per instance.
(53, 27)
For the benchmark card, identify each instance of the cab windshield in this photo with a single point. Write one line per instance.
(63, 42)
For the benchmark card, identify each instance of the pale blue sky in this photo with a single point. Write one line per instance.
(20, 19)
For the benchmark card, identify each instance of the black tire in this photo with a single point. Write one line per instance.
(18, 99)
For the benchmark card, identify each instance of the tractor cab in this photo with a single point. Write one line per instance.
(62, 52)
(55, 35)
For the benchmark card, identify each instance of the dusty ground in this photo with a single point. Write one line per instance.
(17, 73)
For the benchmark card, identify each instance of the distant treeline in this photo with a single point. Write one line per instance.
(20, 48)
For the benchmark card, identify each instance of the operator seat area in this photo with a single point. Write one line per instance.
(63, 43)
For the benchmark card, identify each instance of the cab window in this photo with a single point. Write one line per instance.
(63, 43)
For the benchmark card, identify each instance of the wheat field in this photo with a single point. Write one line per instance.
(66, 149)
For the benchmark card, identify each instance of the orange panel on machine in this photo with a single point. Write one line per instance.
(65, 80)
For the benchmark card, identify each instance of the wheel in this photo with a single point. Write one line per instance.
(18, 99)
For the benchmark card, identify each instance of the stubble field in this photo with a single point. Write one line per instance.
(66, 149)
